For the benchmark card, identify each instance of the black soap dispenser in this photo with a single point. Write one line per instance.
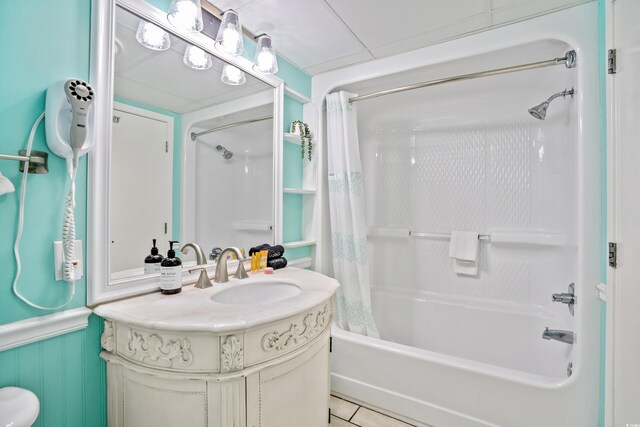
(171, 272)
(152, 261)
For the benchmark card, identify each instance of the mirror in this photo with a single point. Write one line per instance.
(191, 158)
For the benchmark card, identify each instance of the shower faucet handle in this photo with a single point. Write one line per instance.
(568, 297)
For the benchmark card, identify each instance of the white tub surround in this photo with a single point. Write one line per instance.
(468, 350)
(187, 360)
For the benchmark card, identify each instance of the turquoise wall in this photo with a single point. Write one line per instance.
(40, 43)
(65, 373)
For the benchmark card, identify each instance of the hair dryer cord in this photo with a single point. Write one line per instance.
(16, 245)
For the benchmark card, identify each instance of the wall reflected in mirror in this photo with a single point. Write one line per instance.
(216, 188)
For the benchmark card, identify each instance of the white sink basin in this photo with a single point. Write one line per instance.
(256, 293)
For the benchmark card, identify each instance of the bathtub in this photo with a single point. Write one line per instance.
(455, 353)
(454, 357)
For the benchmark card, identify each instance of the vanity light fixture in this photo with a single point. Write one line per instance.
(186, 15)
(265, 60)
(229, 38)
(196, 58)
(232, 75)
(152, 37)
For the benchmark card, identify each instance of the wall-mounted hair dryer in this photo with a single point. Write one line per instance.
(68, 127)
(68, 117)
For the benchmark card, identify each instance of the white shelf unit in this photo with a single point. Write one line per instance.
(294, 138)
(292, 93)
(299, 244)
(305, 262)
(308, 188)
(288, 190)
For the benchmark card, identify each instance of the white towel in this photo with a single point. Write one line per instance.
(6, 186)
(464, 249)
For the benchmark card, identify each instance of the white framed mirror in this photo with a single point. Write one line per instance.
(179, 154)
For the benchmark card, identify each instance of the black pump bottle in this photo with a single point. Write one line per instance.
(171, 272)
(152, 261)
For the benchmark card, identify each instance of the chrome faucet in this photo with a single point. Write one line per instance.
(201, 259)
(203, 280)
(568, 297)
(222, 275)
(566, 337)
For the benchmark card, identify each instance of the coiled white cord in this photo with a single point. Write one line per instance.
(16, 245)
(69, 225)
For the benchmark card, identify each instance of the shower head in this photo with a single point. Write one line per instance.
(540, 110)
(226, 154)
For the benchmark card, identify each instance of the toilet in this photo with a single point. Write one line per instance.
(18, 407)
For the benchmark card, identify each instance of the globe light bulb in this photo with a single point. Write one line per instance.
(265, 60)
(232, 75)
(229, 37)
(152, 37)
(186, 15)
(197, 58)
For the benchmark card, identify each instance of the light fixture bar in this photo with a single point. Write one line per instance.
(218, 14)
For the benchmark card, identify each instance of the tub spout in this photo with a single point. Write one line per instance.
(566, 337)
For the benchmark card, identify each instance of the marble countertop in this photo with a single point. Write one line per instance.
(193, 309)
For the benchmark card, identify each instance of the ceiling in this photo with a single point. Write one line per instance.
(322, 35)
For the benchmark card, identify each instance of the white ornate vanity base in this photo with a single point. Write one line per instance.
(186, 360)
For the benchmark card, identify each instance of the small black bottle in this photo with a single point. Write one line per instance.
(152, 261)
(171, 272)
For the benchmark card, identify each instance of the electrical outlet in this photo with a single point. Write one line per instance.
(58, 260)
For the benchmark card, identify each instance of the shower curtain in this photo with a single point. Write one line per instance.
(348, 225)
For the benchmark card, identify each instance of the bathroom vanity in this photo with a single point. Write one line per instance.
(252, 352)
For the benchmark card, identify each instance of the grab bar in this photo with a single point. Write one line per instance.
(497, 236)
(440, 235)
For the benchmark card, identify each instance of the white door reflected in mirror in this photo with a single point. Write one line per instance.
(141, 187)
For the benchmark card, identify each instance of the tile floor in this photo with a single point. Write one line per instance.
(349, 414)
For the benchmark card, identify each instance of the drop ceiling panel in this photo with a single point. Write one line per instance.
(230, 4)
(237, 93)
(339, 62)
(466, 26)
(138, 92)
(130, 52)
(166, 71)
(306, 31)
(505, 11)
(381, 22)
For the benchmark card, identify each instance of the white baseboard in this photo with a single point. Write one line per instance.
(26, 331)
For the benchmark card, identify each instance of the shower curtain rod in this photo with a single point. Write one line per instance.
(569, 60)
(232, 125)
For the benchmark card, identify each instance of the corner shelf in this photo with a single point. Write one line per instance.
(294, 138)
(299, 244)
(288, 190)
(301, 193)
(294, 94)
(301, 262)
